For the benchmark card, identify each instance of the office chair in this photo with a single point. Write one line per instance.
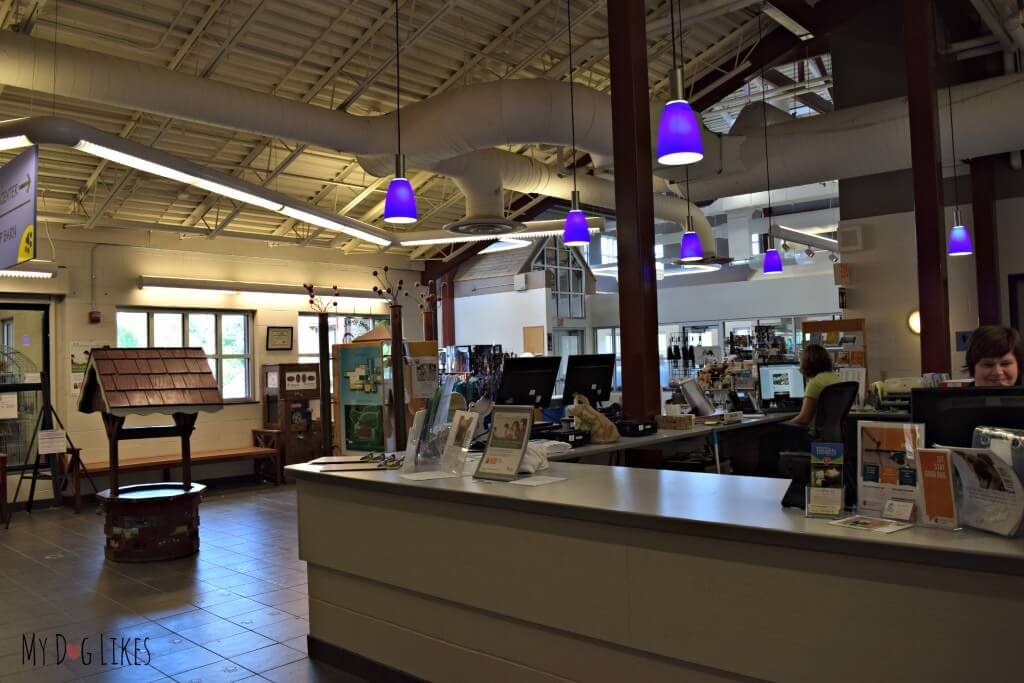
(830, 413)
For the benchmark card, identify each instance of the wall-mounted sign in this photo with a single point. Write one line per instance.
(299, 380)
(18, 209)
(280, 338)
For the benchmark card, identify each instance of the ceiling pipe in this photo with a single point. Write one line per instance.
(858, 141)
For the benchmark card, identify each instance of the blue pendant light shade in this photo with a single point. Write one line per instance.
(772, 261)
(576, 232)
(679, 141)
(960, 241)
(690, 248)
(400, 202)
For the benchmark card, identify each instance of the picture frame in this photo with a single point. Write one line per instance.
(506, 446)
(280, 338)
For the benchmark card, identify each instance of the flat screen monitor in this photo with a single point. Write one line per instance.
(528, 381)
(949, 416)
(781, 381)
(589, 375)
(694, 395)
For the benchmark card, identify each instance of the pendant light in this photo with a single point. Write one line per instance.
(679, 141)
(576, 232)
(959, 238)
(400, 201)
(690, 247)
(772, 257)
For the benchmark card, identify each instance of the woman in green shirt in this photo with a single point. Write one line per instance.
(816, 367)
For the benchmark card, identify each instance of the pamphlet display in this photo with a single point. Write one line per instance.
(510, 433)
(935, 498)
(1007, 443)
(989, 495)
(886, 464)
(825, 493)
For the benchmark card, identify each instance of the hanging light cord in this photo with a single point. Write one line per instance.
(682, 95)
(952, 140)
(398, 92)
(672, 18)
(572, 97)
(767, 166)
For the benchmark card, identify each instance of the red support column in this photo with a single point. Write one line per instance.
(932, 283)
(986, 246)
(634, 208)
(448, 309)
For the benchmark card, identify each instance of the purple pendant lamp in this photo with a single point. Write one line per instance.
(575, 232)
(400, 200)
(772, 258)
(959, 237)
(690, 247)
(679, 141)
(772, 261)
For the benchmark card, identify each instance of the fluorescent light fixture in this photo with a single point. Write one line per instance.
(366, 236)
(14, 142)
(234, 287)
(612, 270)
(507, 244)
(329, 224)
(31, 270)
(237, 195)
(451, 239)
(535, 234)
(134, 162)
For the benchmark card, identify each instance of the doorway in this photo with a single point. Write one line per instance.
(567, 343)
(24, 366)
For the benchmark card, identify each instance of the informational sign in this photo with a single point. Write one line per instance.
(80, 351)
(52, 441)
(299, 380)
(8, 406)
(510, 432)
(825, 494)
(18, 209)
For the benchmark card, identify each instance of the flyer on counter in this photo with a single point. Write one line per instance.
(825, 494)
(882, 526)
(935, 500)
(1007, 443)
(510, 433)
(886, 464)
(989, 495)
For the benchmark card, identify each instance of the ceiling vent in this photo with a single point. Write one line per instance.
(850, 238)
(483, 227)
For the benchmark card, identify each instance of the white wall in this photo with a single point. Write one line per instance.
(762, 297)
(117, 268)
(500, 318)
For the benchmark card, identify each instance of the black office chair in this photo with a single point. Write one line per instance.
(830, 413)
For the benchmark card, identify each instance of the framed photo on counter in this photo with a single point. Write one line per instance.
(280, 338)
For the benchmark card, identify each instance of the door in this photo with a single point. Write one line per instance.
(567, 343)
(24, 363)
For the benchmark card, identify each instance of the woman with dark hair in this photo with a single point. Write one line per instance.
(994, 356)
(816, 367)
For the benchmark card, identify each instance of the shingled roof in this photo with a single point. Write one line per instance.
(143, 381)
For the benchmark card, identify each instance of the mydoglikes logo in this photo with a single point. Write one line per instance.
(55, 649)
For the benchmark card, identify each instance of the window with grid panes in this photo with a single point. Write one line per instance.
(567, 277)
(225, 336)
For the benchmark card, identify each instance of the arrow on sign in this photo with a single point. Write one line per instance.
(27, 183)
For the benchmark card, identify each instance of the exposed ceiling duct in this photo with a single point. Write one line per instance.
(858, 141)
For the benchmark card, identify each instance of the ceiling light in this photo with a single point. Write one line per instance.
(535, 234)
(237, 195)
(135, 162)
(312, 218)
(914, 322)
(809, 252)
(772, 262)
(234, 287)
(679, 140)
(507, 244)
(400, 202)
(690, 248)
(14, 142)
(833, 258)
(576, 232)
(960, 241)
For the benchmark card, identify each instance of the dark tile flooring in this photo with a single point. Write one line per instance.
(236, 611)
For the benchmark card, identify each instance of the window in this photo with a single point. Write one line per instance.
(350, 327)
(659, 251)
(609, 340)
(226, 337)
(609, 249)
(755, 244)
(567, 277)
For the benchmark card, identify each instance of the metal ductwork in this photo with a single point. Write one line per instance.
(858, 141)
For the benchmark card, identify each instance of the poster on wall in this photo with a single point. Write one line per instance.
(424, 376)
(80, 361)
(361, 369)
(364, 428)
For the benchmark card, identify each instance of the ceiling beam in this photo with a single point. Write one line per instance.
(812, 100)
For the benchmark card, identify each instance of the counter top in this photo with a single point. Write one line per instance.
(736, 508)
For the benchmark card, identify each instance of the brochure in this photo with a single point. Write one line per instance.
(1007, 443)
(935, 498)
(886, 464)
(988, 492)
(825, 495)
(882, 526)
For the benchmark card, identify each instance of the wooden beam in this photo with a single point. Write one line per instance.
(634, 204)
(929, 208)
(448, 309)
(986, 244)
(812, 100)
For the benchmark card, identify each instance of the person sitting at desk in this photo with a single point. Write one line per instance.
(816, 367)
(994, 356)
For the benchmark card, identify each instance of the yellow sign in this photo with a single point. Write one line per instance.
(27, 249)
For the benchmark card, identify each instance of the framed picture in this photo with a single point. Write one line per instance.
(510, 433)
(280, 338)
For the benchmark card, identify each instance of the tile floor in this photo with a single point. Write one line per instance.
(236, 611)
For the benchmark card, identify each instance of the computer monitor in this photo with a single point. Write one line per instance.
(949, 416)
(781, 381)
(528, 381)
(589, 375)
(694, 395)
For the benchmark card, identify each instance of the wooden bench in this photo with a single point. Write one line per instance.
(266, 451)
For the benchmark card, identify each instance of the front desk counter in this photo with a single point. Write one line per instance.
(620, 574)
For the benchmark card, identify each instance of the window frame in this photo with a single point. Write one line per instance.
(219, 357)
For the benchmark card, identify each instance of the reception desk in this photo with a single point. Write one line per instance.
(643, 575)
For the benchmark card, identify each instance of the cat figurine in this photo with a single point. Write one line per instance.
(587, 419)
